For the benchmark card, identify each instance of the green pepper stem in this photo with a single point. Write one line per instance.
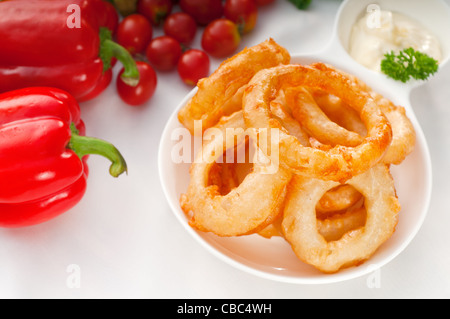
(84, 145)
(110, 49)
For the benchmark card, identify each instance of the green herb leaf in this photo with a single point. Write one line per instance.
(408, 64)
(301, 4)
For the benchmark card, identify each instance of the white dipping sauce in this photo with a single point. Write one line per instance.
(381, 32)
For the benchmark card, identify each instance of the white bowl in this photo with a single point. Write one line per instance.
(273, 258)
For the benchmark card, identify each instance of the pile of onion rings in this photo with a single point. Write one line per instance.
(331, 140)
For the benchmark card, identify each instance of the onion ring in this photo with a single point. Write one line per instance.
(246, 209)
(229, 80)
(289, 123)
(315, 121)
(339, 112)
(404, 135)
(338, 211)
(340, 162)
(272, 230)
(299, 221)
(224, 177)
(338, 199)
(332, 227)
(338, 224)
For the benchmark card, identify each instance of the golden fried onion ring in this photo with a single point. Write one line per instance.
(316, 123)
(289, 123)
(339, 198)
(224, 176)
(249, 207)
(338, 163)
(300, 223)
(339, 112)
(338, 211)
(338, 224)
(404, 135)
(220, 94)
(332, 227)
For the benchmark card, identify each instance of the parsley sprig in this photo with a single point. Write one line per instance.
(408, 64)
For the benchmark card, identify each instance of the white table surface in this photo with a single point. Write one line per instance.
(124, 242)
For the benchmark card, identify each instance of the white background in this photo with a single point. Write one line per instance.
(126, 243)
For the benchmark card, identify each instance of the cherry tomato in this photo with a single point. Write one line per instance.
(221, 38)
(138, 95)
(242, 12)
(180, 26)
(155, 10)
(203, 11)
(163, 53)
(134, 33)
(193, 65)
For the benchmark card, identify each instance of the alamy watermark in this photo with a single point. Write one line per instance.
(373, 280)
(73, 280)
(74, 19)
(373, 20)
(227, 145)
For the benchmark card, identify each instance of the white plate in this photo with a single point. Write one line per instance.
(274, 258)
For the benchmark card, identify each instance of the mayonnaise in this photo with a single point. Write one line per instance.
(381, 31)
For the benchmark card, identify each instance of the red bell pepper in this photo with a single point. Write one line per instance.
(43, 152)
(65, 44)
